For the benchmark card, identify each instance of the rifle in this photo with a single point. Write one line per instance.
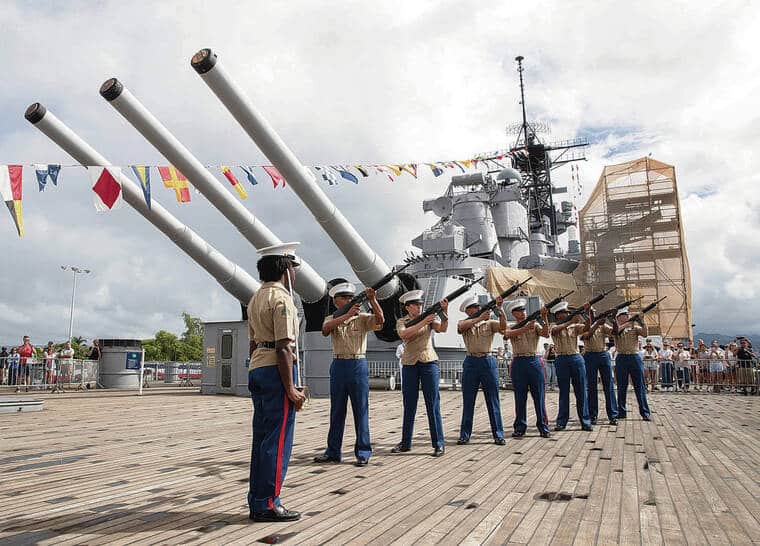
(435, 309)
(614, 310)
(592, 301)
(491, 305)
(361, 297)
(646, 309)
(534, 315)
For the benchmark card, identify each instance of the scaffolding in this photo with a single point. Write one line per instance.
(632, 237)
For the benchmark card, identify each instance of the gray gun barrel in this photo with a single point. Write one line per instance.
(309, 285)
(367, 265)
(233, 278)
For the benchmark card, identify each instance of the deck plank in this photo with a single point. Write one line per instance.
(171, 467)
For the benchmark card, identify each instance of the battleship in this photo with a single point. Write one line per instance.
(502, 216)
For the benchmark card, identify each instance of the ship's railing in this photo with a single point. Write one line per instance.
(450, 370)
(702, 375)
(48, 374)
(171, 372)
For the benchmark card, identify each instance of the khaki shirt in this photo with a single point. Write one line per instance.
(595, 343)
(420, 347)
(627, 342)
(527, 342)
(272, 315)
(566, 340)
(478, 338)
(350, 338)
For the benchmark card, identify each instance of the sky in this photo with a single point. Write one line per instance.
(364, 82)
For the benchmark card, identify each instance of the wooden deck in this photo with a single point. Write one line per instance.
(172, 467)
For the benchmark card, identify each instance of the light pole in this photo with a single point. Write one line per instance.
(74, 271)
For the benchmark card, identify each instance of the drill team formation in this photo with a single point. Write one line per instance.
(277, 396)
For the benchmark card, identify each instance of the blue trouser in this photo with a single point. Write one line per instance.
(599, 364)
(632, 365)
(349, 378)
(571, 368)
(274, 419)
(528, 374)
(427, 374)
(477, 371)
(666, 373)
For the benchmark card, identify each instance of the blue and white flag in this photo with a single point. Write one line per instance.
(327, 175)
(142, 172)
(249, 174)
(44, 172)
(345, 173)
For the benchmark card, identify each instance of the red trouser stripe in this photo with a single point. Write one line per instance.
(280, 444)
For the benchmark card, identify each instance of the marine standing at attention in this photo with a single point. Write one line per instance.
(349, 375)
(420, 366)
(273, 329)
(570, 366)
(628, 362)
(527, 371)
(598, 363)
(479, 367)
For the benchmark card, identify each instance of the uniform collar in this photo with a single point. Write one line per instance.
(275, 284)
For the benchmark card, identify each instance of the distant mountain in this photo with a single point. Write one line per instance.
(723, 339)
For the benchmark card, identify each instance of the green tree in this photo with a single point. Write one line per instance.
(165, 346)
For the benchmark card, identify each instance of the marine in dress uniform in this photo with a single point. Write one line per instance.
(420, 366)
(570, 367)
(272, 329)
(628, 362)
(479, 367)
(527, 370)
(598, 363)
(349, 375)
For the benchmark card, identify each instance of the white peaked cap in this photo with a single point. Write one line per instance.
(623, 311)
(342, 288)
(469, 300)
(561, 306)
(283, 249)
(516, 304)
(412, 295)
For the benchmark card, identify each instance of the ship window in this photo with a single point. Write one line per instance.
(227, 346)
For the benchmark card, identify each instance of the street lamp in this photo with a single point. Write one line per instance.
(74, 271)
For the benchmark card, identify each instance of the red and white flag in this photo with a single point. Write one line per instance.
(106, 186)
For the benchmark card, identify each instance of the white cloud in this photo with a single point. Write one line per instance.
(366, 82)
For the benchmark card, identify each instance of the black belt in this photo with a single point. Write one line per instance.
(266, 345)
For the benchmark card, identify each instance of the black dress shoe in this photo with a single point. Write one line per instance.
(545, 434)
(559, 428)
(326, 459)
(587, 428)
(279, 513)
(361, 461)
(613, 422)
(462, 442)
(593, 421)
(647, 418)
(499, 441)
(516, 434)
(400, 449)
(439, 451)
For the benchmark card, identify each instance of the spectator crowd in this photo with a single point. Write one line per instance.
(27, 365)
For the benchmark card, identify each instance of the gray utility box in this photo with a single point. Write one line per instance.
(225, 358)
(113, 372)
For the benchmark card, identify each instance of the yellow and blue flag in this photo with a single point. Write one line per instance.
(142, 172)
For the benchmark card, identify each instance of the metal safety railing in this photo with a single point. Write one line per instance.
(702, 375)
(53, 374)
(450, 372)
(170, 372)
